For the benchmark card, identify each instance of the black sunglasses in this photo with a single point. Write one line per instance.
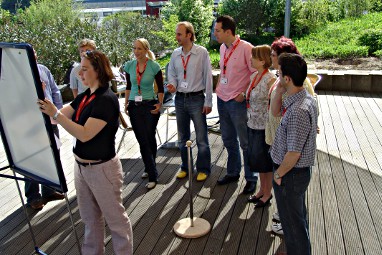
(90, 54)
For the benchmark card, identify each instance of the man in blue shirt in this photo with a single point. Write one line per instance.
(32, 189)
(190, 76)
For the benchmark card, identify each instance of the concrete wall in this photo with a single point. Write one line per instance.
(350, 80)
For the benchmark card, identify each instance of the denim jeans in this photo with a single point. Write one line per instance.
(190, 108)
(144, 125)
(233, 124)
(290, 198)
(32, 188)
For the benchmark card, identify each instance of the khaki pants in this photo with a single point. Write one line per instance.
(99, 196)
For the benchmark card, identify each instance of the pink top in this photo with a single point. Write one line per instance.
(238, 70)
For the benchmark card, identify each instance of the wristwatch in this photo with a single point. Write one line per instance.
(55, 116)
(243, 94)
(277, 176)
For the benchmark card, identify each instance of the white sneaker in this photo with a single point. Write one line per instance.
(151, 185)
(277, 229)
(145, 175)
(276, 217)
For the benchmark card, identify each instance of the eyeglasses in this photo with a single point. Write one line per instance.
(89, 54)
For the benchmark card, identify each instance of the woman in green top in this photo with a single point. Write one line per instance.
(143, 105)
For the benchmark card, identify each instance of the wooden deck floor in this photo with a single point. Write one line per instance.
(344, 197)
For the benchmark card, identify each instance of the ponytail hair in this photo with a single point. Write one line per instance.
(146, 46)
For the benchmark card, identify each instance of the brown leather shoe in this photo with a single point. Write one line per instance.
(37, 204)
(52, 197)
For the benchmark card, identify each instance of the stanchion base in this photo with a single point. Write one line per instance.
(183, 228)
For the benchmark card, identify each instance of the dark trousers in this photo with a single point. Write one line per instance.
(144, 125)
(290, 198)
(32, 188)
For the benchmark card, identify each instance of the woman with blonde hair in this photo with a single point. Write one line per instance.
(143, 105)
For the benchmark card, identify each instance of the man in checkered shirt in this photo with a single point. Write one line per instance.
(293, 152)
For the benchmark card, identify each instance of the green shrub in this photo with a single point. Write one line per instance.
(163, 61)
(372, 39)
(215, 58)
(340, 39)
(378, 53)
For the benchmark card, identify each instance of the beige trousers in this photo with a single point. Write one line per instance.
(99, 196)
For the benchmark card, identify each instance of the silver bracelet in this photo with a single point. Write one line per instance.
(55, 116)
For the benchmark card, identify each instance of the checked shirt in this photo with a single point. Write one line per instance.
(297, 130)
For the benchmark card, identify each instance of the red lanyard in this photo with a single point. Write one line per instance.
(185, 65)
(229, 55)
(284, 111)
(139, 75)
(255, 81)
(83, 104)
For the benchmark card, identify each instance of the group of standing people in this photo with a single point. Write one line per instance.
(273, 119)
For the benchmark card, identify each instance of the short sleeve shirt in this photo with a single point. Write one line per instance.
(147, 81)
(258, 102)
(104, 106)
(297, 130)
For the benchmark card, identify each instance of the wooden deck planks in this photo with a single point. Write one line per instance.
(326, 145)
(344, 199)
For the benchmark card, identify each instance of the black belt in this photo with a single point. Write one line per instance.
(276, 166)
(143, 102)
(190, 94)
(91, 163)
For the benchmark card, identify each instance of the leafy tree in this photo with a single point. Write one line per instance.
(54, 28)
(14, 5)
(120, 30)
(167, 34)
(198, 12)
(376, 5)
(355, 8)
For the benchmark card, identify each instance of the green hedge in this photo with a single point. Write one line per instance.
(345, 39)
(372, 39)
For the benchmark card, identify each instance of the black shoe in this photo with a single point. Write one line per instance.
(36, 204)
(228, 179)
(52, 197)
(249, 187)
(254, 199)
(260, 203)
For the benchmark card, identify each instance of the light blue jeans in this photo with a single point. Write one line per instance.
(233, 125)
(190, 107)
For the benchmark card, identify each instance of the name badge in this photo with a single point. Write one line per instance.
(184, 84)
(74, 141)
(223, 80)
(138, 98)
